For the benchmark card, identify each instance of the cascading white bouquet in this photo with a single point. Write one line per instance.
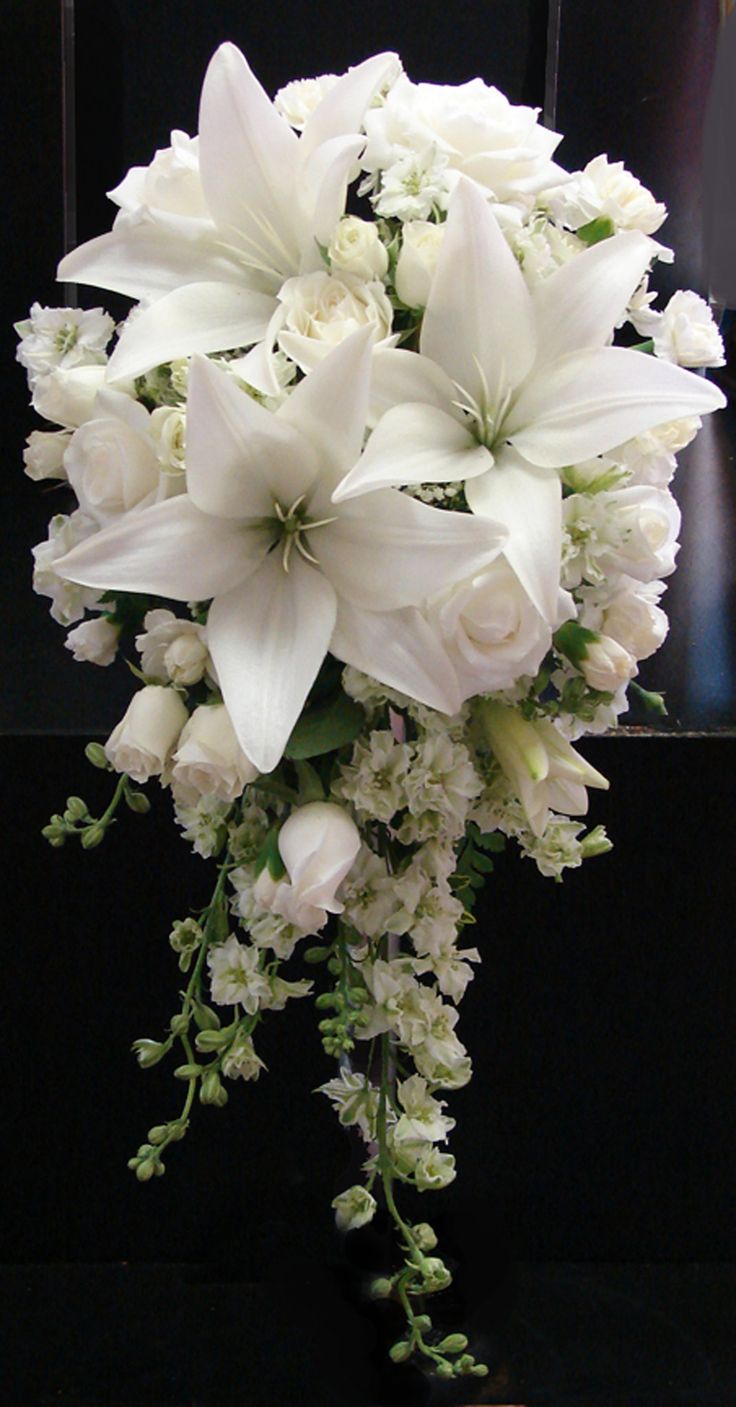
(410, 506)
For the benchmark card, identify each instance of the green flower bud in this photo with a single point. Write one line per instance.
(465, 1364)
(381, 1289)
(453, 1343)
(148, 1053)
(206, 1018)
(444, 1369)
(145, 1171)
(210, 1087)
(422, 1322)
(325, 1001)
(92, 837)
(399, 1352)
(187, 1072)
(479, 1370)
(333, 966)
(76, 809)
(95, 753)
(213, 1040)
(314, 955)
(138, 802)
(436, 1275)
(424, 1235)
(54, 836)
(179, 1025)
(177, 1131)
(158, 1133)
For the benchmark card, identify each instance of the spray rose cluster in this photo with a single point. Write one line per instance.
(379, 511)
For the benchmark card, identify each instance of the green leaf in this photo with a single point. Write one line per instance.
(572, 640)
(325, 728)
(310, 786)
(596, 230)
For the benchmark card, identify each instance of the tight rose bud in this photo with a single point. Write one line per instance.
(94, 641)
(606, 665)
(637, 623)
(142, 743)
(318, 845)
(357, 249)
(420, 250)
(209, 757)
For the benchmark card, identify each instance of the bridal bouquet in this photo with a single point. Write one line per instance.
(377, 512)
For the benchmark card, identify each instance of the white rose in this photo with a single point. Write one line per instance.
(168, 431)
(94, 641)
(492, 632)
(142, 742)
(473, 128)
(209, 758)
(636, 621)
(296, 101)
(43, 455)
(357, 249)
(686, 332)
(318, 844)
(421, 242)
(605, 188)
(111, 465)
(650, 457)
(62, 337)
(173, 648)
(606, 665)
(68, 397)
(320, 310)
(169, 187)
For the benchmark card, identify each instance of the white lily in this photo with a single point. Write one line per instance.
(546, 772)
(271, 198)
(292, 575)
(511, 385)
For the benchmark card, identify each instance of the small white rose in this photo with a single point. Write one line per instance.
(354, 1208)
(639, 624)
(209, 758)
(357, 249)
(296, 101)
(173, 648)
(68, 397)
(112, 466)
(169, 186)
(94, 641)
(168, 431)
(320, 310)
(43, 455)
(421, 242)
(142, 742)
(318, 844)
(607, 665)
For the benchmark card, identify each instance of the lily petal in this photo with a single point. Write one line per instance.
(478, 324)
(241, 458)
(400, 649)
(528, 501)
(169, 549)
(415, 444)
(145, 261)
(392, 551)
(578, 306)
(330, 405)
(323, 184)
(268, 639)
(200, 317)
(590, 402)
(342, 109)
(248, 159)
(400, 376)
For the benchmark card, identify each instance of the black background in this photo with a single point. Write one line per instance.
(599, 1125)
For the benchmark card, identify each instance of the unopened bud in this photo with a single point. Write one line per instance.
(424, 1236)
(92, 837)
(179, 1025)
(138, 802)
(213, 1040)
(206, 1018)
(148, 1053)
(145, 1170)
(158, 1133)
(596, 842)
(76, 809)
(210, 1087)
(381, 1289)
(444, 1370)
(453, 1343)
(95, 753)
(399, 1352)
(187, 1072)
(313, 955)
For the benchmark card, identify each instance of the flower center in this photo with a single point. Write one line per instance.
(292, 526)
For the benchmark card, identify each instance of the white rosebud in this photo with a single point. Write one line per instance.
(318, 844)
(168, 430)
(357, 249)
(111, 465)
(185, 659)
(639, 624)
(68, 397)
(320, 310)
(94, 641)
(143, 741)
(43, 455)
(173, 648)
(421, 242)
(606, 665)
(686, 332)
(354, 1208)
(170, 185)
(209, 758)
(546, 773)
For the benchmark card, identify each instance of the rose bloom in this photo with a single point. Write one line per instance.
(94, 641)
(357, 249)
(421, 242)
(209, 758)
(111, 464)
(143, 741)
(320, 310)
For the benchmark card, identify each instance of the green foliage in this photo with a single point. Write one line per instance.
(325, 727)
(474, 863)
(596, 230)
